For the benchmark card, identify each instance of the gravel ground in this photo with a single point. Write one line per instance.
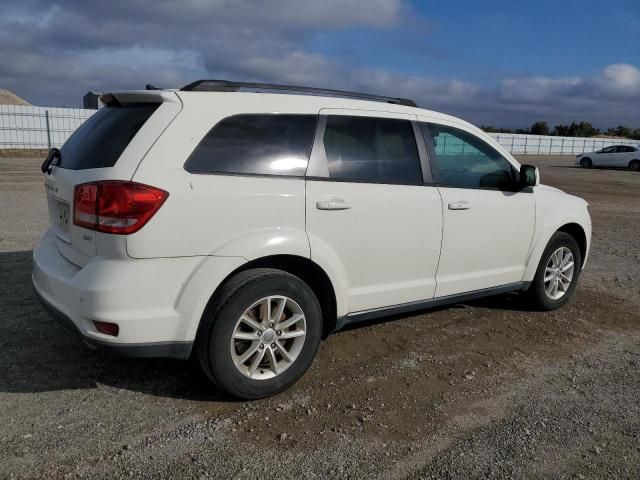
(485, 389)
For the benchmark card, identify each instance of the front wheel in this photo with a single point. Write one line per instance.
(261, 334)
(586, 163)
(558, 272)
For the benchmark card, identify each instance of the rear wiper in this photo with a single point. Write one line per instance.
(54, 153)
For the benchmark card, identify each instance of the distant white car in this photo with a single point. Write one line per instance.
(624, 156)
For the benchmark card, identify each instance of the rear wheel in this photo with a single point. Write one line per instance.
(586, 163)
(558, 272)
(261, 335)
(634, 165)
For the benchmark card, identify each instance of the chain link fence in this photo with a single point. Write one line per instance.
(40, 128)
(522, 144)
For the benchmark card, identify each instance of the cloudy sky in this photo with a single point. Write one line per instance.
(495, 62)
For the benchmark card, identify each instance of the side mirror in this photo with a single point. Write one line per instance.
(529, 176)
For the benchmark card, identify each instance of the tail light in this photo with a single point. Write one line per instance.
(115, 206)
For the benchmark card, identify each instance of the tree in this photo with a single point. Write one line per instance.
(585, 129)
(540, 128)
(621, 131)
(582, 129)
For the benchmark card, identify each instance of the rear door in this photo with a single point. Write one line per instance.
(488, 223)
(109, 145)
(623, 155)
(369, 213)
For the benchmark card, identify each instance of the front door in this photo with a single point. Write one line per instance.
(488, 223)
(604, 157)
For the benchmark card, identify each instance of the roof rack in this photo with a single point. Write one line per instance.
(227, 86)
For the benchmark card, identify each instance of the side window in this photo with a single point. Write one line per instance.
(608, 150)
(375, 150)
(464, 160)
(271, 144)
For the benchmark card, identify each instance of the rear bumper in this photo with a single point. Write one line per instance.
(180, 350)
(138, 295)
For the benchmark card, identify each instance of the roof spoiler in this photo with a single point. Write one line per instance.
(227, 86)
(119, 98)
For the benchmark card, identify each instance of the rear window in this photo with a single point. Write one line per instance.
(260, 144)
(100, 141)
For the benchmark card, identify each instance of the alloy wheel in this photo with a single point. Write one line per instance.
(268, 337)
(558, 273)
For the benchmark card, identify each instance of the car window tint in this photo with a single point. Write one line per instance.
(376, 150)
(100, 140)
(463, 160)
(272, 144)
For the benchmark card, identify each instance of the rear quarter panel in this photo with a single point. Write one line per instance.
(219, 214)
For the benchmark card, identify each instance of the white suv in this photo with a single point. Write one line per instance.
(245, 226)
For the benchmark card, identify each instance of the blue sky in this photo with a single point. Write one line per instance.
(487, 40)
(504, 63)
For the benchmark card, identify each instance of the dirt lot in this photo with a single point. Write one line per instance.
(485, 389)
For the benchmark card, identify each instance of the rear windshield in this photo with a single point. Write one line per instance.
(100, 141)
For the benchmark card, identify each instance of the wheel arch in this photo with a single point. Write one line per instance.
(581, 232)
(577, 232)
(305, 269)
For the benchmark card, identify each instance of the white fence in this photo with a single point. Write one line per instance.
(522, 144)
(38, 127)
(45, 127)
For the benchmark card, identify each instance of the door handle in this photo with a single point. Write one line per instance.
(333, 205)
(461, 205)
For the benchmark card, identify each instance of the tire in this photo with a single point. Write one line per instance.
(634, 165)
(586, 163)
(538, 291)
(219, 352)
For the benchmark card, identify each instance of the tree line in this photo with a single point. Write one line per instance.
(582, 129)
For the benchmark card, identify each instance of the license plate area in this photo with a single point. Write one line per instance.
(60, 216)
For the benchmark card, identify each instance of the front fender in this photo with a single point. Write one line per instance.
(545, 230)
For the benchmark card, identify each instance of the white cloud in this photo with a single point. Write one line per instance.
(54, 53)
(537, 89)
(621, 78)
